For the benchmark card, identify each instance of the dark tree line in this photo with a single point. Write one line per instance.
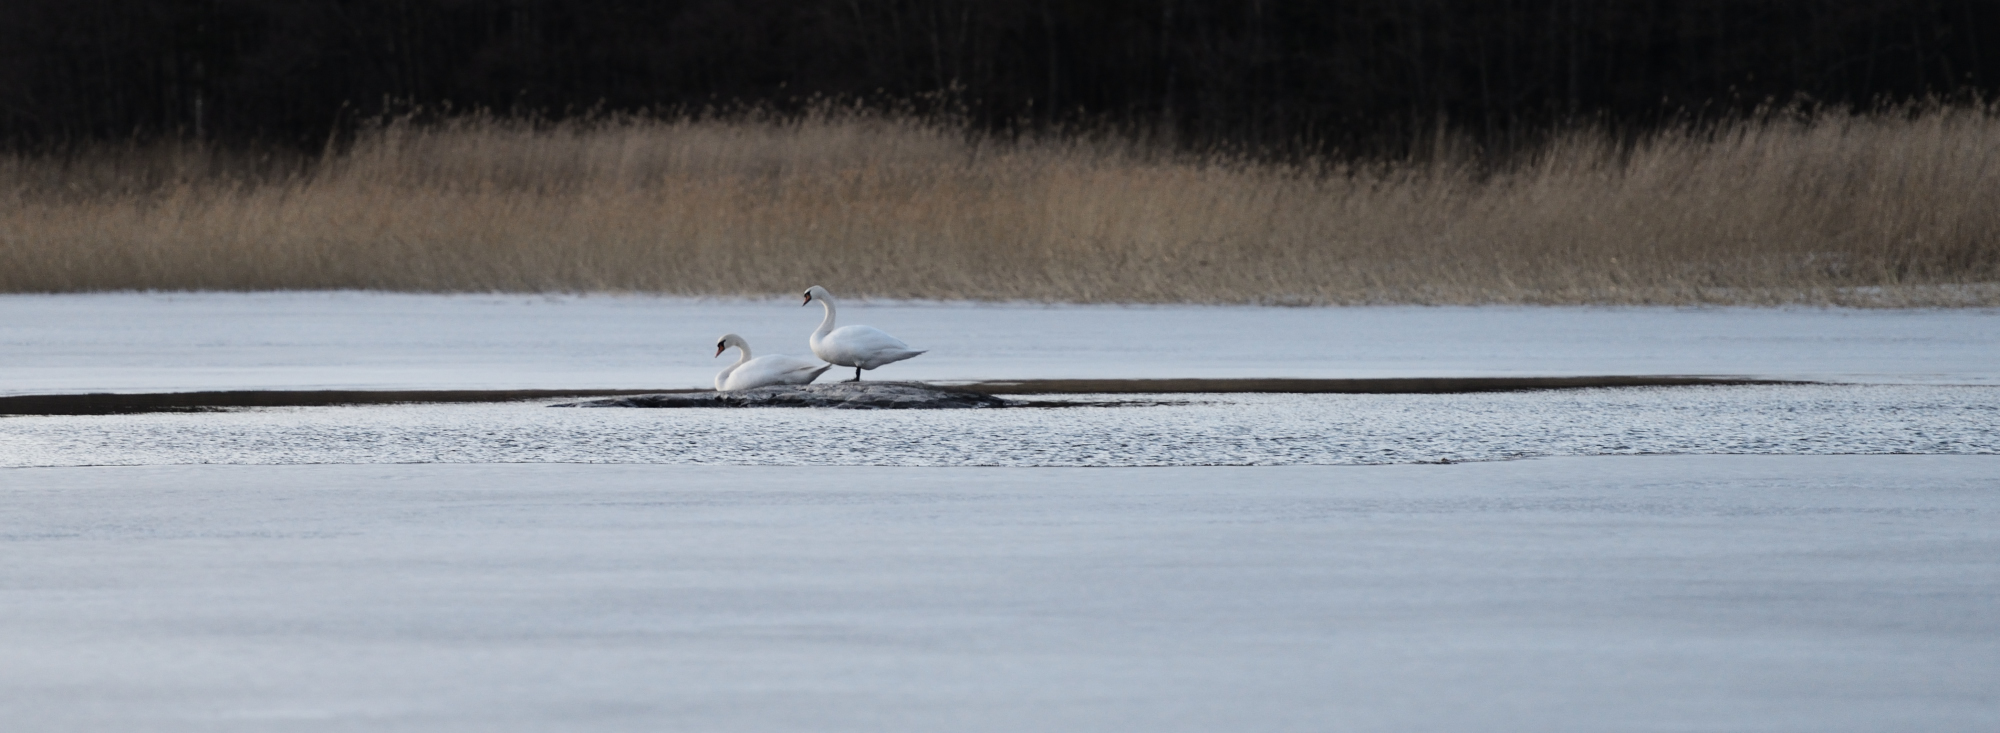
(1360, 74)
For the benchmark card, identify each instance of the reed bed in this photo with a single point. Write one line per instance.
(1890, 209)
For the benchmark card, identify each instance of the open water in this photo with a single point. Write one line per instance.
(1166, 430)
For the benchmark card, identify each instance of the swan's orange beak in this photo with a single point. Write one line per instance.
(719, 348)
(808, 300)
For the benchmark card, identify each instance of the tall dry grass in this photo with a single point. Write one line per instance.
(1884, 209)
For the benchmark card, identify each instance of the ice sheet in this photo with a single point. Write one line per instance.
(135, 342)
(1741, 593)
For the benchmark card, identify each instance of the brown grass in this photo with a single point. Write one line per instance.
(1887, 209)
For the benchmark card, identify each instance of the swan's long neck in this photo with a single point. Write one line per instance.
(825, 326)
(742, 355)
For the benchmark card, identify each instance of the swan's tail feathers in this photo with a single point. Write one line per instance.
(816, 372)
(894, 357)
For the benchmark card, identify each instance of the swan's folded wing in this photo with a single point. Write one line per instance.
(810, 373)
(759, 372)
(779, 369)
(801, 371)
(865, 339)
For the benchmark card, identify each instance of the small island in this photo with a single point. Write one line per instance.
(838, 395)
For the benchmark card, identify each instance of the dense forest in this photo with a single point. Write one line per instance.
(1367, 75)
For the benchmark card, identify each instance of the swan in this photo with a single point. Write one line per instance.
(748, 373)
(861, 347)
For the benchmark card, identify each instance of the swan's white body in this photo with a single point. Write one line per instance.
(861, 347)
(763, 371)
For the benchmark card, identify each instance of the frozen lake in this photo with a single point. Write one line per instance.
(1628, 593)
(1765, 558)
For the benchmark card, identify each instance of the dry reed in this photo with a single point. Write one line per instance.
(1882, 209)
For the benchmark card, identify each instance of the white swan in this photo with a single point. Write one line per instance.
(861, 347)
(748, 373)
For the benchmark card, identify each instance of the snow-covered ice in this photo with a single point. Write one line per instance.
(145, 342)
(1742, 593)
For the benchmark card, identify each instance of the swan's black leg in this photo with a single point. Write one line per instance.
(857, 374)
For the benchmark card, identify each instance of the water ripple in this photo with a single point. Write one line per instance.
(1185, 430)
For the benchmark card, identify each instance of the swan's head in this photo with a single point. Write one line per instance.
(729, 340)
(815, 292)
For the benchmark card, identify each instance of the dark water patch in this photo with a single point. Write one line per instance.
(1391, 385)
(104, 403)
(129, 404)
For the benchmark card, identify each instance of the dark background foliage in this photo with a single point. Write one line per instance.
(1370, 76)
